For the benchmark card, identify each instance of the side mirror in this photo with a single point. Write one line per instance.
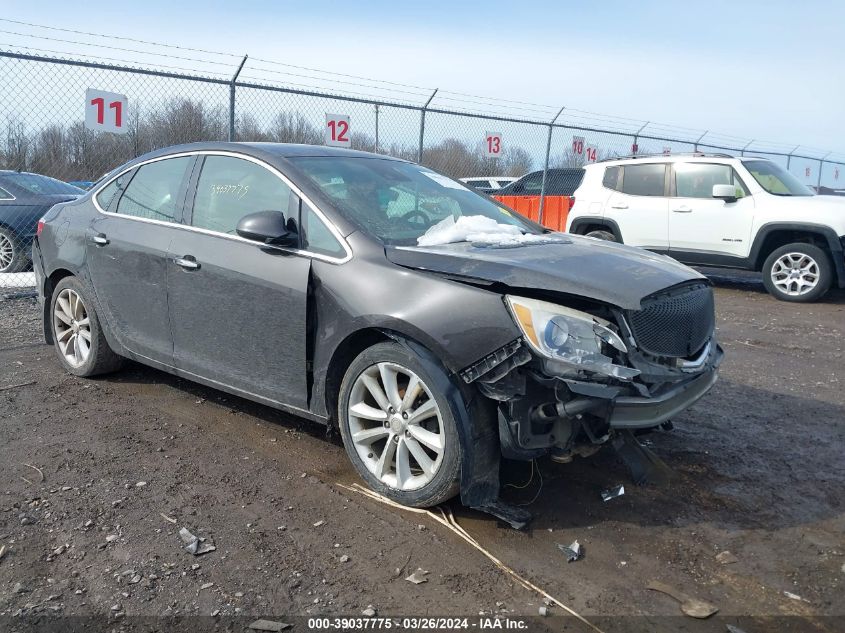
(268, 227)
(725, 192)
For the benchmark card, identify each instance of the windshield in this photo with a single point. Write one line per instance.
(35, 183)
(776, 180)
(398, 202)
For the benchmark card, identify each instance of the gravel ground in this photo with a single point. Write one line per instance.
(129, 459)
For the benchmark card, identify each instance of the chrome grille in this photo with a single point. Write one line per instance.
(675, 323)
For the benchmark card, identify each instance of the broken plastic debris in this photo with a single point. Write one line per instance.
(733, 629)
(195, 545)
(369, 612)
(618, 491)
(726, 558)
(573, 552)
(794, 596)
(418, 577)
(544, 611)
(269, 625)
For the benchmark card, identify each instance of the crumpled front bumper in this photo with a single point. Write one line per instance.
(636, 412)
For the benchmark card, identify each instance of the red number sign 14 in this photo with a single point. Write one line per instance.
(337, 130)
(592, 153)
(493, 144)
(105, 111)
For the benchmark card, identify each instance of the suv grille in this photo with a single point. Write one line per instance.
(675, 323)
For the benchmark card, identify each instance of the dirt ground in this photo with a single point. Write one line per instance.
(129, 459)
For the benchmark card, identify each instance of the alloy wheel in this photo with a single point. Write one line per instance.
(396, 426)
(795, 274)
(7, 251)
(72, 327)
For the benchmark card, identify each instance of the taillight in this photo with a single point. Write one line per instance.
(40, 228)
(571, 202)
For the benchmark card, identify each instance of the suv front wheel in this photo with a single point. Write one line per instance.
(798, 272)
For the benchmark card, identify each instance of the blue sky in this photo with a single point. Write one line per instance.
(764, 70)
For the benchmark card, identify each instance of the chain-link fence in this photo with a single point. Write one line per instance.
(43, 114)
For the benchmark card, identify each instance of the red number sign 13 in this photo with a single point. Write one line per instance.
(493, 144)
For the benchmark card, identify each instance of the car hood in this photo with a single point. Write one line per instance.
(603, 271)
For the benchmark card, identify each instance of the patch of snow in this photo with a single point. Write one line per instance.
(481, 231)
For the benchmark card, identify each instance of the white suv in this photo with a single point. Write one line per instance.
(718, 210)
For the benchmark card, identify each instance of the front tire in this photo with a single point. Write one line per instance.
(398, 430)
(601, 235)
(77, 333)
(13, 256)
(798, 272)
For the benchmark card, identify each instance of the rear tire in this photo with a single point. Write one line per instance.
(405, 446)
(78, 336)
(602, 235)
(798, 272)
(13, 256)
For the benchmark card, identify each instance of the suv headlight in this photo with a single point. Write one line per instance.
(573, 338)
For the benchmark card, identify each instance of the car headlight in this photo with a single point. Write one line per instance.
(575, 339)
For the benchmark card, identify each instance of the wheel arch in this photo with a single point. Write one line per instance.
(583, 225)
(475, 417)
(777, 234)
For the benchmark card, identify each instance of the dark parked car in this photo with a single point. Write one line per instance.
(561, 181)
(24, 198)
(293, 275)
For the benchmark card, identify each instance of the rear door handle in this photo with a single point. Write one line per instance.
(99, 239)
(188, 262)
(682, 209)
(619, 205)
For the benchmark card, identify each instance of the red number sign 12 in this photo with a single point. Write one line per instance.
(337, 130)
(105, 111)
(493, 144)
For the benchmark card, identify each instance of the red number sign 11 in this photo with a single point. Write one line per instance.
(105, 111)
(337, 130)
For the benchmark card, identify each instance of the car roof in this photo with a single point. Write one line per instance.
(671, 158)
(280, 150)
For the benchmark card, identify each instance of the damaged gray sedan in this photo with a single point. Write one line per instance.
(437, 329)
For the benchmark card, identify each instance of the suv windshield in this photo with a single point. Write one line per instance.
(398, 202)
(35, 183)
(776, 180)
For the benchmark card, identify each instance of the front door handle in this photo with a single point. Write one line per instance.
(188, 262)
(682, 209)
(99, 239)
(619, 205)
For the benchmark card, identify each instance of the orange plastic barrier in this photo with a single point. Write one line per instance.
(555, 210)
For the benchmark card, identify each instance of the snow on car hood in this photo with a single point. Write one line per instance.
(603, 271)
(482, 231)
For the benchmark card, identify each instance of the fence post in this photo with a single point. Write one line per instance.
(698, 140)
(821, 166)
(546, 167)
(232, 99)
(635, 148)
(375, 150)
(422, 125)
(742, 151)
(789, 156)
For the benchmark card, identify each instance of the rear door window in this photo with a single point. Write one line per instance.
(644, 180)
(155, 192)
